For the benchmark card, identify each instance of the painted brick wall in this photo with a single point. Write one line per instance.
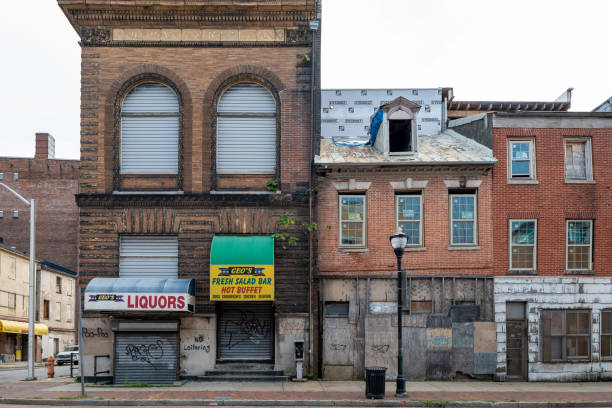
(53, 183)
(435, 258)
(552, 201)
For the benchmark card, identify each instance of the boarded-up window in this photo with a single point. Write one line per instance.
(12, 268)
(68, 313)
(420, 306)
(566, 335)
(577, 159)
(46, 309)
(606, 334)
(58, 311)
(150, 130)
(246, 130)
(12, 300)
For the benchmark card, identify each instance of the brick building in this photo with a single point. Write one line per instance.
(387, 162)
(196, 149)
(53, 183)
(551, 189)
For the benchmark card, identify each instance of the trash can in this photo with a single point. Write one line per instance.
(375, 382)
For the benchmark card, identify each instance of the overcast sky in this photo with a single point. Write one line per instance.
(484, 49)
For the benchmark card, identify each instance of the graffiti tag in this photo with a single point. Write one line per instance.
(99, 332)
(249, 329)
(291, 327)
(146, 353)
(380, 348)
(338, 347)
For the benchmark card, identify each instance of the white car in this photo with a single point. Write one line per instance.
(68, 353)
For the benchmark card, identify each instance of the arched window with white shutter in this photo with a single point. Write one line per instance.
(150, 121)
(246, 130)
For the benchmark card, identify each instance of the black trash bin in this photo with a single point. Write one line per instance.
(375, 382)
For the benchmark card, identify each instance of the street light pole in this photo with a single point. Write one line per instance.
(31, 310)
(398, 242)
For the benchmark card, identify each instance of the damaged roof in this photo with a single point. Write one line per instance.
(446, 148)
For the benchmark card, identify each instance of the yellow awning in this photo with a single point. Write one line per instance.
(11, 326)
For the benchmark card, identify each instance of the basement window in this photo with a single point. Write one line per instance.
(400, 136)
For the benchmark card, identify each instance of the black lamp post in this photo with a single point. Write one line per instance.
(398, 242)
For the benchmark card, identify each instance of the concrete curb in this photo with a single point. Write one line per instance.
(305, 403)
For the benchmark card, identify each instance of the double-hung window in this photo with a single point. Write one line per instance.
(566, 335)
(579, 245)
(523, 244)
(521, 162)
(578, 160)
(463, 228)
(352, 220)
(409, 210)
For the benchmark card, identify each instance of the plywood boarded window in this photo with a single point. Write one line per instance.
(578, 159)
(566, 335)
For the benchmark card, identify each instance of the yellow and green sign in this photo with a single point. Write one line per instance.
(242, 268)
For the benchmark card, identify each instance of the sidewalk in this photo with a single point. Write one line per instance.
(320, 393)
(18, 364)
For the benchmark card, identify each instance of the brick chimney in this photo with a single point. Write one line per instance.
(45, 146)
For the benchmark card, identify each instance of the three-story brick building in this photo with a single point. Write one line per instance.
(196, 149)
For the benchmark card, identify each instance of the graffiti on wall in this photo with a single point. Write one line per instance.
(380, 348)
(146, 353)
(95, 332)
(198, 344)
(338, 347)
(291, 327)
(248, 329)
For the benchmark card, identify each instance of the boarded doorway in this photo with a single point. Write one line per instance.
(516, 341)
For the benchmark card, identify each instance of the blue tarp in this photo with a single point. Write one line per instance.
(131, 285)
(374, 126)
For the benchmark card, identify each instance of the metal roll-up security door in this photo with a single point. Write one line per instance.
(246, 331)
(143, 357)
(150, 130)
(148, 257)
(246, 131)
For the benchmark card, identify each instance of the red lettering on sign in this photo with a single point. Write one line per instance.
(152, 302)
(130, 304)
(171, 302)
(163, 302)
(180, 302)
(143, 303)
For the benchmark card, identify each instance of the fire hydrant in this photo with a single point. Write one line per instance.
(50, 363)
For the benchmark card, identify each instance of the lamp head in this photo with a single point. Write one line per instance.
(398, 242)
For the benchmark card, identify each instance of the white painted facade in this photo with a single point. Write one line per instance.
(554, 292)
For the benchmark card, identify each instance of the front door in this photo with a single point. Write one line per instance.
(245, 331)
(516, 341)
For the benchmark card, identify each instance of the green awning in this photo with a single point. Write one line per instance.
(242, 250)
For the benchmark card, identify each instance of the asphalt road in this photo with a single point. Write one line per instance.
(18, 374)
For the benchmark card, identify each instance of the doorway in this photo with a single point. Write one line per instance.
(516, 341)
(245, 332)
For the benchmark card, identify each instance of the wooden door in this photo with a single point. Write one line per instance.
(516, 341)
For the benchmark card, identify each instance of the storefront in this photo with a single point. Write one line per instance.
(14, 340)
(242, 285)
(140, 327)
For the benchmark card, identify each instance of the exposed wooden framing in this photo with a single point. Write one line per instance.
(367, 299)
(433, 293)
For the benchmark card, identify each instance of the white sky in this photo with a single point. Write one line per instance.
(484, 49)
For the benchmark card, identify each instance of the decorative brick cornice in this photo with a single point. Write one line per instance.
(95, 36)
(192, 200)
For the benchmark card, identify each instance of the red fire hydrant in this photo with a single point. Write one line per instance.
(50, 363)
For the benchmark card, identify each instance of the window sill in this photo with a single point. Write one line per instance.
(523, 272)
(414, 248)
(464, 248)
(175, 192)
(567, 181)
(579, 272)
(244, 192)
(353, 250)
(522, 181)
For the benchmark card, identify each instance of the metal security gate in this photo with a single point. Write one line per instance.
(148, 257)
(144, 357)
(245, 331)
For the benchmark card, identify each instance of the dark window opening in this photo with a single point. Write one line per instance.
(46, 309)
(336, 308)
(400, 136)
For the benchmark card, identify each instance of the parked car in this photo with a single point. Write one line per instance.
(68, 353)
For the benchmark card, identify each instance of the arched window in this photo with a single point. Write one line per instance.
(150, 130)
(246, 130)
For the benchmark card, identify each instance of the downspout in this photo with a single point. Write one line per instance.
(313, 94)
